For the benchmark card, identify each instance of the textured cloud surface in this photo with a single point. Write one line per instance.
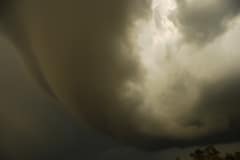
(191, 90)
(133, 69)
(203, 21)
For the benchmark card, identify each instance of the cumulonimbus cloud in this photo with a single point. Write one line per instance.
(82, 52)
(125, 71)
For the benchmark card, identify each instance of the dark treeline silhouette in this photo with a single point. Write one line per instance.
(211, 153)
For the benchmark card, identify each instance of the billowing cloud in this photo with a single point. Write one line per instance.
(123, 68)
(185, 83)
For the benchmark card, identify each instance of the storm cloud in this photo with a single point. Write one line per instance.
(83, 52)
(203, 21)
(122, 67)
(191, 90)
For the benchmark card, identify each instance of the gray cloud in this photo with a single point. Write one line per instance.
(193, 92)
(34, 126)
(219, 105)
(83, 49)
(84, 52)
(203, 21)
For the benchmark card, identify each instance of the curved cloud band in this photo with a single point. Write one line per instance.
(139, 70)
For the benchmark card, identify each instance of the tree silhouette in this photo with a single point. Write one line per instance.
(198, 154)
(211, 153)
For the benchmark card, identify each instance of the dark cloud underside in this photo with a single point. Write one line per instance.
(203, 21)
(84, 49)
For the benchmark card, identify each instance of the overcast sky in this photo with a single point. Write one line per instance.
(159, 74)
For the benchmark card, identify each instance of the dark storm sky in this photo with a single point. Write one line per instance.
(34, 125)
(87, 54)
